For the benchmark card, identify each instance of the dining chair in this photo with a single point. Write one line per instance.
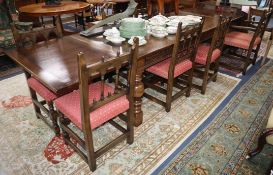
(161, 4)
(208, 55)
(247, 39)
(189, 4)
(265, 137)
(44, 108)
(97, 103)
(83, 17)
(171, 71)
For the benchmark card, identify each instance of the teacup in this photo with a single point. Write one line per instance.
(114, 32)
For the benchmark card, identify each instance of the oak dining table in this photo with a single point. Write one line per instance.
(55, 63)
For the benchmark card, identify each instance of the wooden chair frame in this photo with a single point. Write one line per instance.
(185, 47)
(161, 5)
(209, 71)
(258, 30)
(32, 38)
(85, 72)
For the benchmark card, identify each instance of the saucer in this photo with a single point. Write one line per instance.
(115, 40)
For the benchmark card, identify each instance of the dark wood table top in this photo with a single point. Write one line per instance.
(55, 63)
(105, 1)
(66, 7)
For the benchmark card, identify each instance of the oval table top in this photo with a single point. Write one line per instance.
(40, 9)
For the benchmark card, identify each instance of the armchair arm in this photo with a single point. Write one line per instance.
(245, 28)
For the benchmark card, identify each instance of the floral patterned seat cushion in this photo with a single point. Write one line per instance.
(162, 69)
(69, 105)
(39, 88)
(202, 54)
(241, 40)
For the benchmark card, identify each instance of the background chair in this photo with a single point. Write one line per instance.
(208, 56)
(188, 3)
(27, 40)
(171, 70)
(160, 4)
(93, 105)
(265, 137)
(246, 41)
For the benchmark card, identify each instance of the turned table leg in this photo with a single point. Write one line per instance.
(160, 4)
(139, 90)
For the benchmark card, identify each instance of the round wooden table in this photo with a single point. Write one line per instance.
(103, 1)
(66, 7)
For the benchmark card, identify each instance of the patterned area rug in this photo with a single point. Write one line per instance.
(24, 138)
(222, 146)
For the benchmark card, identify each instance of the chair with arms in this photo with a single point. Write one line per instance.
(208, 55)
(246, 41)
(27, 40)
(265, 137)
(97, 103)
(172, 69)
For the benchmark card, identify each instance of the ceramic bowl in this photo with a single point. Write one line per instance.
(158, 29)
(115, 40)
(171, 30)
(160, 35)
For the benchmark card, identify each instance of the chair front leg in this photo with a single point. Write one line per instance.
(130, 126)
(169, 94)
(54, 117)
(205, 79)
(256, 54)
(64, 123)
(216, 69)
(35, 98)
(247, 62)
(190, 77)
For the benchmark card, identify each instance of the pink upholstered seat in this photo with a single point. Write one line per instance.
(69, 105)
(41, 89)
(202, 54)
(240, 40)
(162, 69)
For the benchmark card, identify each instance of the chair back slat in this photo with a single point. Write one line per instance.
(117, 88)
(219, 34)
(28, 39)
(110, 65)
(260, 28)
(186, 44)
